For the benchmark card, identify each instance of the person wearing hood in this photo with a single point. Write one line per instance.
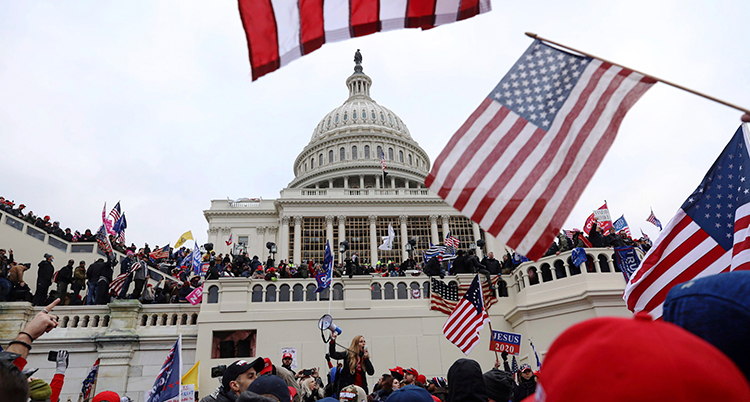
(466, 382)
(499, 385)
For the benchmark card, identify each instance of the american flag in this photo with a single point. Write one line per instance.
(467, 319)
(443, 253)
(514, 368)
(115, 213)
(710, 233)
(444, 297)
(89, 381)
(119, 281)
(102, 240)
(160, 253)
(451, 241)
(520, 162)
(652, 219)
(622, 224)
(382, 160)
(167, 385)
(281, 31)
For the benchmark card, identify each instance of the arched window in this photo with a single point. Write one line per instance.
(388, 290)
(380, 152)
(367, 152)
(297, 293)
(401, 156)
(257, 294)
(284, 293)
(390, 154)
(213, 294)
(320, 159)
(311, 295)
(342, 154)
(354, 152)
(312, 163)
(330, 156)
(410, 159)
(376, 292)
(426, 289)
(402, 292)
(271, 293)
(338, 291)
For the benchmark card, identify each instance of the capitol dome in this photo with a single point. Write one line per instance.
(346, 146)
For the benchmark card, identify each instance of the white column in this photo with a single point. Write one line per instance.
(373, 239)
(342, 235)
(298, 240)
(404, 237)
(346, 181)
(477, 236)
(393, 182)
(434, 229)
(284, 239)
(377, 181)
(330, 183)
(329, 233)
(361, 181)
(446, 227)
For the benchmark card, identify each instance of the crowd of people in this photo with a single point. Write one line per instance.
(697, 352)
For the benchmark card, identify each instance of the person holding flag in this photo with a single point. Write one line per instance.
(325, 277)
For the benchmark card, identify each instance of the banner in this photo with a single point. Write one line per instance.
(627, 260)
(196, 296)
(187, 393)
(506, 342)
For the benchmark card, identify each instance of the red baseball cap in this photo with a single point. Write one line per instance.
(421, 379)
(286, 355)
(397, 373)
(412, 371)
(636, 359)
(267, 368)
(107, 396)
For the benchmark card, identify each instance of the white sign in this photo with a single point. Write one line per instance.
(293, 351)
(187, 393)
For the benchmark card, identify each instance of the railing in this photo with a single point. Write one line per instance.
(41, 235)
(303, 290)
(599, 261)
(355, 192)
(314, 192)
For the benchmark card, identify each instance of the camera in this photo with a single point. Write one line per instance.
(308, 372)
(218, 371)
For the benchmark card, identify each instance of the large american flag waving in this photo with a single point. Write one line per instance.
(520, 162)
(710, 233)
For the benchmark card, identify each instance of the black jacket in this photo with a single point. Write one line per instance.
(432, 268)
(345, 377)
(461, 265)
(493, 265)
(46, 271)
(65, 275)
(596, 238)
(524, 389)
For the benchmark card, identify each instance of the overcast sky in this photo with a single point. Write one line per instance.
(152, 104)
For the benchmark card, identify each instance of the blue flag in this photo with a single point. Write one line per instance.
(324, 278)
(578, 256)
(168, 383)
(197, 259)
(627, 260)
(120, 225)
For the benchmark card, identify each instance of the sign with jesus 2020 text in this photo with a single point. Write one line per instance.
(505, 342)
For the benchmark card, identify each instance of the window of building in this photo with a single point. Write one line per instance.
(418, 228)
(330, 156)
(382, 230)
(320, 159)
(390, 154)
(367, 152)
(342, 154)
(346, 117)
(401, 156)
(313, 238)
(312, 163)
(462, 228)
(380, 152)
(409, 159)
(354, 152)
(242, 240)
(358, 236)
(231, 344)
(354, 114)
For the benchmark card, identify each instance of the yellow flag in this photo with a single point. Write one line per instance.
(185, 237)
(191, 377)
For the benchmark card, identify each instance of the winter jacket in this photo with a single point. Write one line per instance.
(46, 270)
(65, 275)
(523, 389)
(346, 377)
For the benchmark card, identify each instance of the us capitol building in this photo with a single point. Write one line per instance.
(338, 194)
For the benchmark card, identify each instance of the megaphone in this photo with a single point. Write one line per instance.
(326, 323)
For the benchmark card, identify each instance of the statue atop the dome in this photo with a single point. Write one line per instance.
(357, 62)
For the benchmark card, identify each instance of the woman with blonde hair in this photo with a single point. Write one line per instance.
(357, 364)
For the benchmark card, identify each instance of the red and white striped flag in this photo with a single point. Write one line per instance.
(467, 319)
(710, 233)
(280, 31)
(520, 162)
(119, 281)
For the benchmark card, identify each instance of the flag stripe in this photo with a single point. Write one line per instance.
(420, 14)
(446, 11)
(312, 26)
(364, 17)
(562, 202)
(259, 23)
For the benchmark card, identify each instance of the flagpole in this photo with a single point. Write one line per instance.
(486, 308)
(694, 92)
